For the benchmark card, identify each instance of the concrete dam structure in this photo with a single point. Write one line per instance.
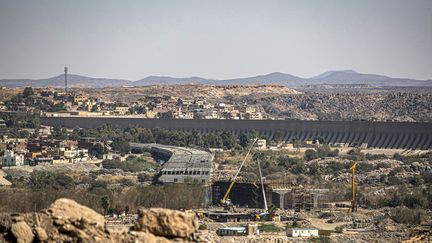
(404, 135)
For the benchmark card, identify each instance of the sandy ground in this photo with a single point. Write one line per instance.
(3, 181)
(321, 224)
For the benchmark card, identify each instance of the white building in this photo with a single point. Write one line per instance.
(81, 155)
(261, 144)
(75, 155)
(121, 110)
(11, 159)
(302, 232)
(231, 231)
(69, 154)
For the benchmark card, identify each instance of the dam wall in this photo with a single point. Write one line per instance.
(404, 135)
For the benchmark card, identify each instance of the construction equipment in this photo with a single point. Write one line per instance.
(264, 215)
(353, 188)
(269, 213)
(262, 187)
(225, 201)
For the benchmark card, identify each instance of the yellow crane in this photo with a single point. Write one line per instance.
(353, 187)
(225, 201)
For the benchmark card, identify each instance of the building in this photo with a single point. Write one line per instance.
(261, 144)
(69, 153)
(79, 99)
(3, 107)
(231, 231)
(252, 116)
(2, 123)
(151, 114)
(11, 159)
(75, 155)
(287, 146)
(250, 229)
(121, 110)
(247, 109)
(43, 160)
(302, 232)
(82, 155)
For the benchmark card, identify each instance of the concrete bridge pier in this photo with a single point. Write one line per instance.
(282, 193)
(316, 193)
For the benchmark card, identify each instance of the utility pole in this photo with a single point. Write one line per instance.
(65, 73)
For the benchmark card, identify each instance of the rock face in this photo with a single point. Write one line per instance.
(22, 232)
(167, 223)
(67, 221)
(68, 209)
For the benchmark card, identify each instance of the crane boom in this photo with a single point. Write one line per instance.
(224, 199)
(262, 187)
(353, 187)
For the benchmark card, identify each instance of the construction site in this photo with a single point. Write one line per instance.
(256, 208)
(312, 193)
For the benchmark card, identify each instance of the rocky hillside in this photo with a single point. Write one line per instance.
(211, 92)
(346, 106)
(67, 221)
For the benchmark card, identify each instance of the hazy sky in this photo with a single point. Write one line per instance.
(215, 39)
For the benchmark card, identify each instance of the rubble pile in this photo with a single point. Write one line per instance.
(67, 221)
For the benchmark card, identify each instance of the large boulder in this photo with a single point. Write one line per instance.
(144, 237)
(67, 221)
(64, 208)
(166, 222)
(22, 232)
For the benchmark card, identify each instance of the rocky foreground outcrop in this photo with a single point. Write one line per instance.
(67, 221)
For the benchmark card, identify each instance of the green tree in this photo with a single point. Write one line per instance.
(166, 115)
(48, 179)
(244, 140)
(59, 133)
(407, 216)
(121, 146)
(356, 155)
(27, 92)
(310, 154)
(228, 140)
(277, 137)
(106, 204)
(145, 136)
(98, 149)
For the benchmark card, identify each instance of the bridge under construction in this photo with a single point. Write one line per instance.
(282, 195)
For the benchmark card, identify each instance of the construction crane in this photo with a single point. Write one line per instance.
(353, 187)
(268, 214)
(262, 188)
(225, 201)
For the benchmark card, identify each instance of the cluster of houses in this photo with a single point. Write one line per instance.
(153, 107)
(193, 108)
(51, 101)
(57, 103)
(19, 151)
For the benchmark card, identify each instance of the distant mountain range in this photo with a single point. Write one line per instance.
(330, 77)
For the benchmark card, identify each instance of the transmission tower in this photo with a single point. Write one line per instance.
(65, 73)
